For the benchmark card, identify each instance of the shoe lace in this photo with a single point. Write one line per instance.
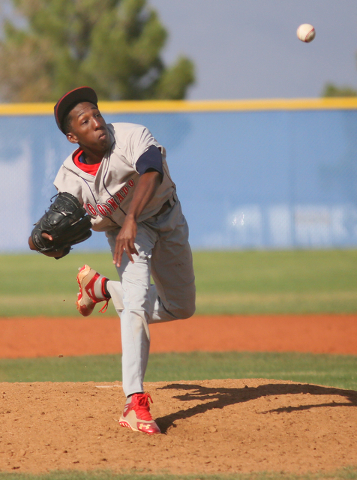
(141, 406)
(104, 307)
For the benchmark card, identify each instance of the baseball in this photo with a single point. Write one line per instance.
(306, 32)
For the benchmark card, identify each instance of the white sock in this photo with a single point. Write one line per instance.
(100, 290)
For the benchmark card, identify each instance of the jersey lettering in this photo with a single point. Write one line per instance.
(107, 208)
(103, 209)
(113, 205)
(119, 198)
(90, 209)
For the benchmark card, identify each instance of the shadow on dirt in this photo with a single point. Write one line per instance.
(212, 398)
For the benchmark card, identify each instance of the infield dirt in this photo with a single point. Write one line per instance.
(96, 335)
(216, 426)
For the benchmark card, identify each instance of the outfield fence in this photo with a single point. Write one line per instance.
(250, 174)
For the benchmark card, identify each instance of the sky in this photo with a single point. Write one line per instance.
(248, 49)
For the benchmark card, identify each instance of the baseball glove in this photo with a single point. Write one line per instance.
(66, 222)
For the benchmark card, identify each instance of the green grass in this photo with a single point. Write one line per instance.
(348, 473)
(277, 281)
(38, 285)
(338, 371)
(236, 282)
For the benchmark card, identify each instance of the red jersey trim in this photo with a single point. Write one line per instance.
(91, 169)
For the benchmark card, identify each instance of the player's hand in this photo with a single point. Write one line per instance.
(145, 189)
(58, 254)
(125, 241)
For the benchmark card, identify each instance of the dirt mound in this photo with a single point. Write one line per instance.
(208, 427)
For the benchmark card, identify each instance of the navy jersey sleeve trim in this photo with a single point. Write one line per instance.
(150, 160)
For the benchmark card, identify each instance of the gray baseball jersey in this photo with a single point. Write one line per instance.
(107, 195)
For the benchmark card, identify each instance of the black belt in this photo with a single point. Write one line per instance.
(168, 204)
(163, 209)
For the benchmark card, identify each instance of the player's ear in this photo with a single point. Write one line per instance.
(71, 137)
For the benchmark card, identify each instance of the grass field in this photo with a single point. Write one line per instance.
(330, 370)
(227, 282)
(341, 474)
(349, 473)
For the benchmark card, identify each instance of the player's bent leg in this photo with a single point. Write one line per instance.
(172, 268)
(185, 307)
(92, 290)
(181, 307)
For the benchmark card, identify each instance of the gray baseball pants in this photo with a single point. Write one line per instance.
(165, 254)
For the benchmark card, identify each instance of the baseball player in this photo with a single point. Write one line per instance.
(120, 175)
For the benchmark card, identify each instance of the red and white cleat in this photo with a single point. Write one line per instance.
(87, 299)
(137, 416)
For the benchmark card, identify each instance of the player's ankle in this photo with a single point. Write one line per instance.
(100, 288)
(105, 289)
(129, 397)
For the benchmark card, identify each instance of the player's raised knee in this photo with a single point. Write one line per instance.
(185, 311)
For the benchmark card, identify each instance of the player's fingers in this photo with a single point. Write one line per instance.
(124, 245)
(118, 253)
(119, 257)
(120, 248)
(131, 250)
(129, 256)
(135, 251)
(47, 236)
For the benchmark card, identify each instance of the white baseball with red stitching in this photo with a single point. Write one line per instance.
(306, 32)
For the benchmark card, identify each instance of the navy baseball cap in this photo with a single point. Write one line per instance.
(80, 94)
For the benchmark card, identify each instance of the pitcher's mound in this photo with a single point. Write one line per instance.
(208, 427)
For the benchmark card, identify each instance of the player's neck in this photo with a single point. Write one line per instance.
(91, 158)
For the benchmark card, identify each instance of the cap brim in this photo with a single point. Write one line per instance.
(81, 94)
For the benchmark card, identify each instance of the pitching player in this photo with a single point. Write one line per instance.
(120, 175)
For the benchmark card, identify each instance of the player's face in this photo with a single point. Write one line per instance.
(88, 128)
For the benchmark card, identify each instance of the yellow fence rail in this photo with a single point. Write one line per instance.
(172, 106)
